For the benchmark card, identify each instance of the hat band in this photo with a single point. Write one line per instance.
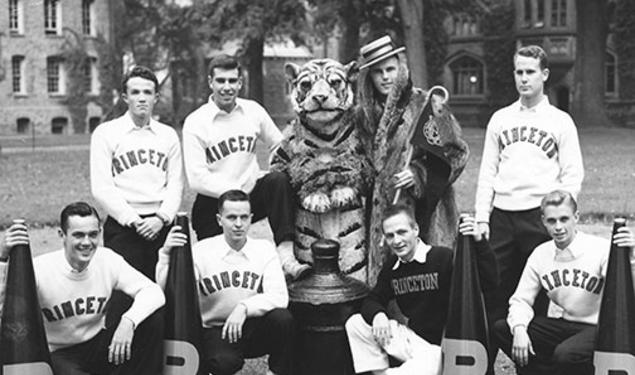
(382, 50)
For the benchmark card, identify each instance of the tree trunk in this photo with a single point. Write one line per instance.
(588, 91)
(349, 23)
(254, 50)
(411, 12)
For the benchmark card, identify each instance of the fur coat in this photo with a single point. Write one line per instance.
(386, 130)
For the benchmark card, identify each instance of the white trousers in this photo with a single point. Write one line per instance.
(418, 356)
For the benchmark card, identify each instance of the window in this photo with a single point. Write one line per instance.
(467, 74)
(558, 13)
(59, 125)
(54, 75)
(90, 76)
(93, 122)
(610, 74)
(52, 17)
(23, 124)
(464, 25)
(17, 74)
(533, 14)
(15, 17)
(87, 17)
(527, 13)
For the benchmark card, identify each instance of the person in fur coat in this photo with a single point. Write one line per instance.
(418, 173)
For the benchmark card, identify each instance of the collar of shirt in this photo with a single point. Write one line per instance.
(571, 252)
(217, 111)
(421, 254)
(544, 103)
(131, 126)
(232, 253)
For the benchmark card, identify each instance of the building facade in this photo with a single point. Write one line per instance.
(34, 78)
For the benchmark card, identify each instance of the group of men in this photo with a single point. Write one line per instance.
(530, 174)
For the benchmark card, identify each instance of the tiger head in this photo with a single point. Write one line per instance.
(321, 92)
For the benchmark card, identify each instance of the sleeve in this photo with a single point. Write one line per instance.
(378, 298)
(487, 266)
(163, 265)
(274, 291)
(521, 310)
(103, 185)
(173, 194)
(147, 296)
(487, 173)
(3, 284)
(570, 159)
(200, 178)
(270, 134)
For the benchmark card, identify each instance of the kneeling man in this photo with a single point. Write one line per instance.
(417, 277)
(571, 269)
(74, 287)
(242, 292)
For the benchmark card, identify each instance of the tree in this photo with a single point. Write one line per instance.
(411, 12)
(588, 91)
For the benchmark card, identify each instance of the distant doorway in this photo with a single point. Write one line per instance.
(562, 98)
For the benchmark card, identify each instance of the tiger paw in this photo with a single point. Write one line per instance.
(317, 202)
(343, 197)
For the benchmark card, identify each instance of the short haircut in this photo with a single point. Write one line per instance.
(82, 209)
(224, 61)
(558, 197)
(232, 195)
(397, 209)
(139, 71)
(536, 52)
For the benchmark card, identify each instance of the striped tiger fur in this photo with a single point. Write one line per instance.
(323, 157)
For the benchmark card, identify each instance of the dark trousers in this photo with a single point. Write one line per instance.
(513, 237)
(91, 357)
(138, 252)
(562, 347)
(273, 334)
(272, 197)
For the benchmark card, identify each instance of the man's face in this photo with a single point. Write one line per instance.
(560, 222)
(384, 74)
(235, 219)
(401, 235)
(80, 240)
(225, 85)
(140, 96)
(530, 78)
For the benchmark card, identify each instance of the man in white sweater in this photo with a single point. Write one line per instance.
(74, 288)
(530, 149)
(571, 269)
(242, 292)
(219, 148)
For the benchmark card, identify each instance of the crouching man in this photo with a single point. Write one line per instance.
(74, 286)
(571, 268)
(417, 277)
(242, 292)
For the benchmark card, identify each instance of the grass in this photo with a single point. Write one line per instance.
(35, 185)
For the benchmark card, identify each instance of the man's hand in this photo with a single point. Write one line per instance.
(175, 238)
(468, 227)
(381, 329)
(521, 347)
(483, 228)
(233, 328)
(149, 227)
(624, 238)
(404, 179)
(17, 234)
(120, 349)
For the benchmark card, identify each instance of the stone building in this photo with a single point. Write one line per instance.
(34, 80)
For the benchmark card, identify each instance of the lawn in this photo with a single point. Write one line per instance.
(35, 185)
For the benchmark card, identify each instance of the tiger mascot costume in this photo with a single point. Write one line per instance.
(322, 155)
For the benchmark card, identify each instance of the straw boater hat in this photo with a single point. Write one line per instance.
(378, 50)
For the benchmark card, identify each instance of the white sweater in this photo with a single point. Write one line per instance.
(226, 277)
(136, 171)
(73, 303)
(574, 284)
(219, 148)
(527, 154)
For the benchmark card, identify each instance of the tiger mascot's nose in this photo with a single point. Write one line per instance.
(320, 98)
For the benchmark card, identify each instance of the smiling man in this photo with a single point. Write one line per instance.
(74, 288)
(219, 147)
(571, 269)
(242, 292)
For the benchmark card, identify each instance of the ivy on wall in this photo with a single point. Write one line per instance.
(625, 47)
(435, 40)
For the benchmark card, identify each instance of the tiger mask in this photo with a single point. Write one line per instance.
(321, 93)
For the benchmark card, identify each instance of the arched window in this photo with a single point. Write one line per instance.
(59, 125)
(467, 76)
(610, 74)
